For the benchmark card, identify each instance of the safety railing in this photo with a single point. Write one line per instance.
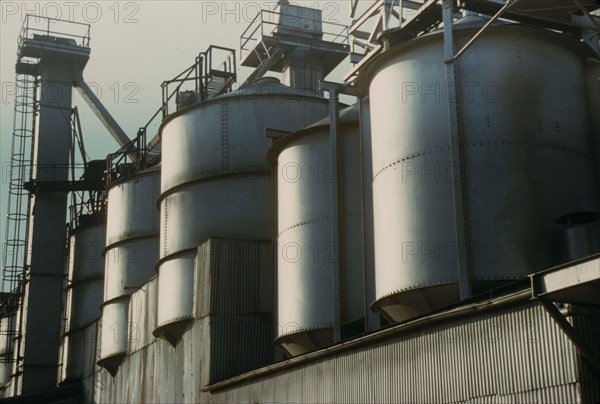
(120, 164)
(273, 24)
(213, 73)
(35, 25)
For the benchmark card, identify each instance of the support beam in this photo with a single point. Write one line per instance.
(458, 188)
(105, 117)
(332, 89)
(371, 11)
(353, 7)
(492, 20)
(584, 350)
(587, 14)
(372, 319)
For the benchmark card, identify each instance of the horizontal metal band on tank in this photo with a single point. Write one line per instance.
(476, 144)
(453, 281)
(296, 96)
(113, 355)
(459, 31)
(142, 236)
(146, 173)
(116, 299)
(304, 329)
(505, 276)
(88, 226)
(280, 144)
(515, 277)
(318, 220)
(448, 313)
(174, 320)
(205, 180)
(78, 282)
(82, 327)
(176, 254)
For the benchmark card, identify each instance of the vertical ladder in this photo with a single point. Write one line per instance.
(14, 258)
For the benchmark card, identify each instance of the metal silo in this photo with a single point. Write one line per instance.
(305, 173)
(132, 244)
(526, 161)
(216, 181)
(84, 290)
(7, 363)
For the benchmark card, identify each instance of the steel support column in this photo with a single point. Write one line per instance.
(456, 159)
(332, 89)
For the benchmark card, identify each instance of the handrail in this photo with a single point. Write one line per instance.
(27, 30)
(247, 29)
(264, 21)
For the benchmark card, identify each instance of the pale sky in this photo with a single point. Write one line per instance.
(135, 46)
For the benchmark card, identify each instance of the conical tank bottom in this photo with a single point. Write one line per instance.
(172, 332)
(112, 363)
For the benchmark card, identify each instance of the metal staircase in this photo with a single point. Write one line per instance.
(217, 79)
(213, 73)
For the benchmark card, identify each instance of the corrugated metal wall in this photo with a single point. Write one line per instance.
(587, 322)
(516, 354)
(234, 307)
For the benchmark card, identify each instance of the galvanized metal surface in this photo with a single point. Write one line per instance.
(131, 207)
(587, 323)
(5, 345)
(523, 171)
(84, 296)
(223, 201)
(215, 180)
(593, 94)
(129, 265)
(305, 248)
(6, 350)
(514, 354)
(6, 370)
(131, 253)
(234, 277)
(373, 321)
(142, 315)
(85, 253)
(114, 328)
(227, 134)
(235, 303)
(46, 228)
(576, 283)
(175, 291)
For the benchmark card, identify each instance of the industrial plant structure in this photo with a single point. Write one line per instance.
(436, 241)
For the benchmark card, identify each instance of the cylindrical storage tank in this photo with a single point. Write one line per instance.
(216, 182)
(84, 291)
(305, 177)
(526, 154)
(593, 92)
(7, 365)
(132, 249)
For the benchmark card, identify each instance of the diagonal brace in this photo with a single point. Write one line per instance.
(584, 350)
